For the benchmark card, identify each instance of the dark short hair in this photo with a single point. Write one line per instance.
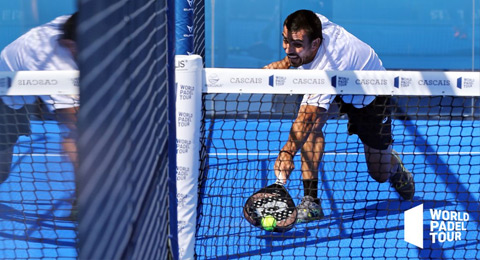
(69, 28)
(306, 20)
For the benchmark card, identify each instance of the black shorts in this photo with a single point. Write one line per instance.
(372, 123)
(13, 123)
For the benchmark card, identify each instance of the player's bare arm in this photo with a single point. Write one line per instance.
(281, 64)
(310, 120)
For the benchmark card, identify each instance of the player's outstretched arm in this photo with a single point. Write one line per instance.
(309, 119)
(281, 64)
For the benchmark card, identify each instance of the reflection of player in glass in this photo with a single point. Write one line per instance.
(312, 42)
(47, 47)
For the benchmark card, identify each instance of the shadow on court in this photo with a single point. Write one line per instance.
(358, 222)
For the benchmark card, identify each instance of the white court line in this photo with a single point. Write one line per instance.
(273, 154)
(40, 154)
(343, 153)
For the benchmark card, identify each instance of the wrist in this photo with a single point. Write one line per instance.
(287, 152)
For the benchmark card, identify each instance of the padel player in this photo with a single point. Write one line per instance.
(47, 47)
(312, 42)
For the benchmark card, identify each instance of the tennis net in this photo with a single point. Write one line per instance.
(37, 169)
(246, 119)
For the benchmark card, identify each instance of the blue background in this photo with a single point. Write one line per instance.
(19, 16)
(408, 34)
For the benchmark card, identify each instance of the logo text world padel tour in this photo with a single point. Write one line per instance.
(444, 226)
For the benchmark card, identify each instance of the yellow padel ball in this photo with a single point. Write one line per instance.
(268, 223)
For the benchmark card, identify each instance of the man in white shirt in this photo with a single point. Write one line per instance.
(47, 47)
(312, 42)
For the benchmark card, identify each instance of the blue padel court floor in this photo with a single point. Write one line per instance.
(364, 219)
(36, 199)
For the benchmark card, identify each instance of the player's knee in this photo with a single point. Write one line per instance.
(380, 177)
(5, 164)
(4, 176)
(379, 171)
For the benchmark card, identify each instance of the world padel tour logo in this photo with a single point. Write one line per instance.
(182, 199)
(183, 146)
(276, 80)
(185, 92)
(181, 225)
(184, 119)
(338, 81)
(182, 173)
(463, 83)
(444, 226)
(5, 83)
(75, 81)
(402, 82)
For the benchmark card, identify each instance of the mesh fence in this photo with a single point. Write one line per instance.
(250, 118)
(123, 146)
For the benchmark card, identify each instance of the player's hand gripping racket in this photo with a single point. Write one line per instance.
(271, 201)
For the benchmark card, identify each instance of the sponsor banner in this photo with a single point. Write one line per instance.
(185, 64)
(262, 81)
(33, 83)
(188, 80)
(341, 82)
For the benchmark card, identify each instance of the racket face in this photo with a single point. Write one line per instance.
(273, 200)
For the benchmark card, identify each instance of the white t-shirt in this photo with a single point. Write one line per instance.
(340, 50)
(38, 50)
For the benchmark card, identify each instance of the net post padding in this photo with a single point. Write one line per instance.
(184, 27)
(188, 81)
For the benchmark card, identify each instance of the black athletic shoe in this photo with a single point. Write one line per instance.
(308, 210)
(402, 180)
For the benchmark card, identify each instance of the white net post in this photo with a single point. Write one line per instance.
(188, 81)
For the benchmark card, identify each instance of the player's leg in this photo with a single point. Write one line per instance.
(379, 163)
(6, 154)
(67, 118)
(311, 154)
(372, 124)
(402, 179)
(383, 162)
(13, 123)
(386, 165)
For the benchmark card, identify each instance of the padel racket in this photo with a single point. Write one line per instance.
(273, 200)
